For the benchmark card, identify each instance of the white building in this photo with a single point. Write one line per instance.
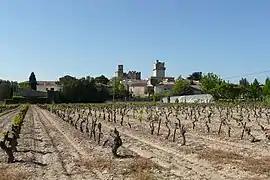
(45, 86)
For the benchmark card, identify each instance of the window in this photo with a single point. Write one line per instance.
(52, 89)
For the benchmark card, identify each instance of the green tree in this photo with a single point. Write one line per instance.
(244, 88)
(266, 88)
(210, 81)
(226, 91)
(180, 86)
(33, 81)
(255, 89)
(102, 79)
(5, 90)
(81, 90)
(196, 76)
(243, 82)
(118, 89)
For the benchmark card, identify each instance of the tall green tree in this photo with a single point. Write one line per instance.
(81, 90)
(244, 82)
(5, 90)
(244, 88)
(210, 81)
(118, 89)
(33, 81)
(266, 88)
(255, 90)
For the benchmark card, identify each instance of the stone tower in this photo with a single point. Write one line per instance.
(159, 69)
(120, 72)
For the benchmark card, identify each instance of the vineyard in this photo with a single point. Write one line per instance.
(135, 141)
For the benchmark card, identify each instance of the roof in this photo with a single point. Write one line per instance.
(198, 87)
(166, 84)
(138, 84)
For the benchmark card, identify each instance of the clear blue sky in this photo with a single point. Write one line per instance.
(91, 37)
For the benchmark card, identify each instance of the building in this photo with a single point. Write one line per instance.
(120, 72)
(159, 69)
(137, 88)
(132, 75)
(45, 86)
(163, 87)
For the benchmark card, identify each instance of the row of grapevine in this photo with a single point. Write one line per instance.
(9, 144)
(238, 121)
(5, 108)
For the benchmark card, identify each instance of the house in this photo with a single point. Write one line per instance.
(163, 87)
(45, 86)
(137, 88)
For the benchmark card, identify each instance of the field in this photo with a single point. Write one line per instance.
(180, 141)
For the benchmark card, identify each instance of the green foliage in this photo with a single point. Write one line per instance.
(180, 86)
(226, 91)
(24, 85)
(196, 76)
(33, 81)
(177, 101)
(244, 82)
(266, 88)
(81, 90)
(118, 89)
(17, 121)
(209, 82)
(102, 79)
(6, 90)
(4, 133)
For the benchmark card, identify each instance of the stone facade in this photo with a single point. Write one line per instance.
(137, 88)
(159, 69)
(130, 75)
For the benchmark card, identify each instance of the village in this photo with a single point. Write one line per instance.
(132, 80)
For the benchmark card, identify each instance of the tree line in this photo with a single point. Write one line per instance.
(213, 84)
(99, 89)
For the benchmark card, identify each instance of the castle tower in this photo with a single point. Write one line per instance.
(159, 69)
(120, 72)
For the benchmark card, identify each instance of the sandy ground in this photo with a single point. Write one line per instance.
(50, 148)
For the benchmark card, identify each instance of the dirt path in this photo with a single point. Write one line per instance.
(66, 152)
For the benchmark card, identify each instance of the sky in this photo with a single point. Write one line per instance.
(54, 38)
